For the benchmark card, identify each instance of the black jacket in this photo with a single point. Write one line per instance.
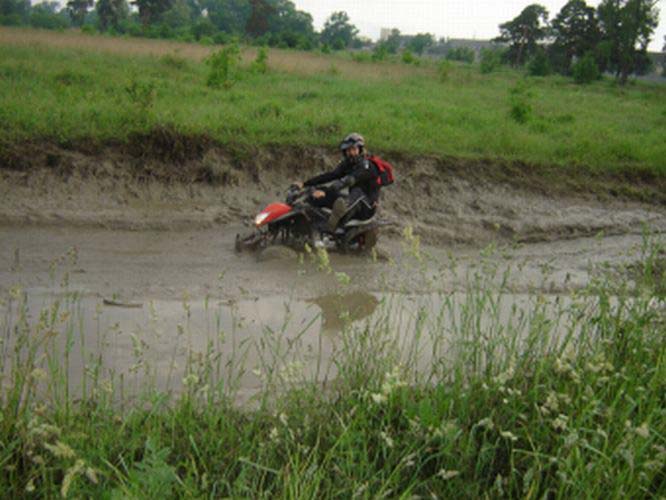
(354, 172)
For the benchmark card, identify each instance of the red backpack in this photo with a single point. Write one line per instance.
(385, 177)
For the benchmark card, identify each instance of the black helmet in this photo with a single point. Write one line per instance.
(352, 140)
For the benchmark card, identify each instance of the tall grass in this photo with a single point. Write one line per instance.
(66, 94)
(471, 394)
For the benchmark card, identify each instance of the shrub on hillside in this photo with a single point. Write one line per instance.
(539, 65)
(11, 20)
(409, 58)
(361, 56)
(142, 98)
(519, 99)
(462, 54)
(174, 61)
(44, 17)
(380, 52)
(223, 67)
(490, 60)
(444, 71)
(585, 70)
(260, 64)
(221, 38)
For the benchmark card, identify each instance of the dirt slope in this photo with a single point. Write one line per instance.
(167, 181)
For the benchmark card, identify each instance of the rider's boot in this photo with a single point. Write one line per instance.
(338, 211)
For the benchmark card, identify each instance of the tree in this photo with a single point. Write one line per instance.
(291, 27)
(14, 12)
(393, 41)
(585, 70)
(179, 15)
(420, 42)
(259, 21)
(77, 10)
(47, 15)
(524, 32)
(627, 27)
(111, 13)
(229, 16)
(338, 32)
(462, 54)
(576, 32)
(150, 11)
(539, 65)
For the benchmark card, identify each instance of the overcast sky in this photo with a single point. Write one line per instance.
(443, 18)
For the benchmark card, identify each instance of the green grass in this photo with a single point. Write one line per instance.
(501, 409)
(70, 95)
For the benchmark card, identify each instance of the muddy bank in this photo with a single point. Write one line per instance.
(164, 180)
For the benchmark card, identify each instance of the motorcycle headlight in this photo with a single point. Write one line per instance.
(259, 219)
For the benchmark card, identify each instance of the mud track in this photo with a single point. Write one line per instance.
(135, 240)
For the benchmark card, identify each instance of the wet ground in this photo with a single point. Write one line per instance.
(151, 306)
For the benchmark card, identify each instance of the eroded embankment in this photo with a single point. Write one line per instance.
(168, 180)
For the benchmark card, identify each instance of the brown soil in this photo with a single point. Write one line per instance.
(166, 180)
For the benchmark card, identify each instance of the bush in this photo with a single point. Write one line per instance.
(380, 52)
(174, 61)
(260, 64)
(519, 100)
(223, 66)
(444, 71)
(203, 27)
(409, 58)
(585, 70)
(42, 17)
(186, 37)
(221, 38)
(142, 98)
(462, 54)
(490, 60)
(88, 29)
(361, 56)
(11, 20)
(539, 65)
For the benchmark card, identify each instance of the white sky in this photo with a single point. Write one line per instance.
(444, 18)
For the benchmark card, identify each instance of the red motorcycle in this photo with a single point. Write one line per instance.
(298, 222)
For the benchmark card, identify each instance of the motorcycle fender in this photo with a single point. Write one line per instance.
(272, 213)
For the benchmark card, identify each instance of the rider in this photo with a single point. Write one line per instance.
(356, 172)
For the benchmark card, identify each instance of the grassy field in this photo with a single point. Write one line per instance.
(500, 411)
(69, 87)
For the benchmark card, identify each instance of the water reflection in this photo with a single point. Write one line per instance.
(339, 310)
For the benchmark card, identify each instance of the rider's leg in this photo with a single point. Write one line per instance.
(355, 207)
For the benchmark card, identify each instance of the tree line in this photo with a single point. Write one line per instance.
(583, 41)
(266, 22)
(580, 41)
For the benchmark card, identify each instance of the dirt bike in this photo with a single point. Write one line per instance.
(298, 222)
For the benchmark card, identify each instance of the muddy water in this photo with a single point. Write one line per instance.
(246, 346)
(189, 314)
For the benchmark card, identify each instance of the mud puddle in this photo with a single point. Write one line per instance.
(244, 348)
(176, 311)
